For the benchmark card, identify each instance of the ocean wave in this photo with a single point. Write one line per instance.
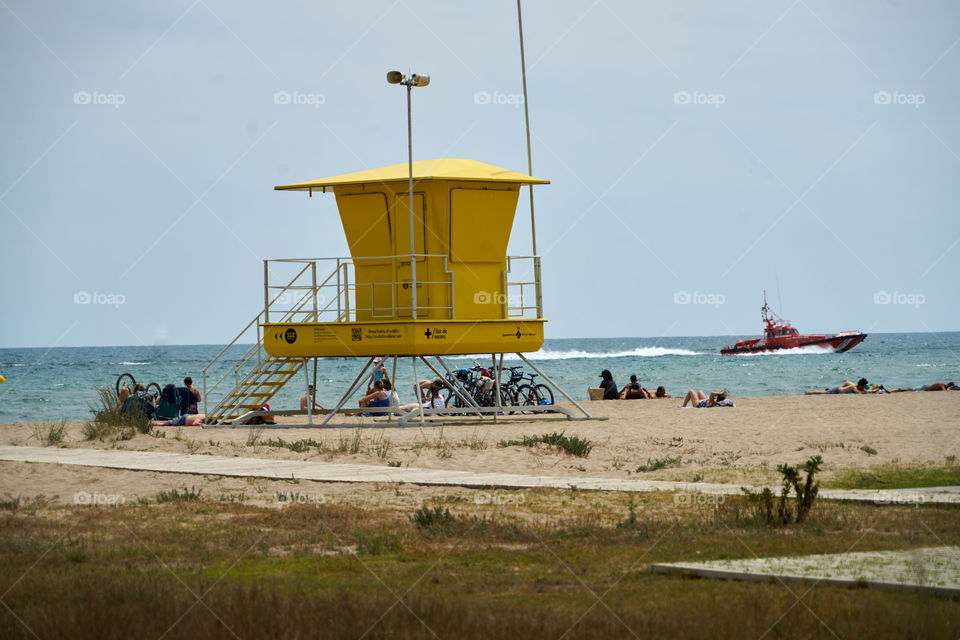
(639, 352)
(799, 351)
(132, 364)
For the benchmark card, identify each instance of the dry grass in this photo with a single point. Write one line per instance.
(521, 564)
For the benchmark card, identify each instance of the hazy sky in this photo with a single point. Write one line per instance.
(698, 153)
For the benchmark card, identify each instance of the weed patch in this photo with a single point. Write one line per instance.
(53, 435)
(655, 464)
(804, 495)
(111, 422)
(187, 495)
(574, 445)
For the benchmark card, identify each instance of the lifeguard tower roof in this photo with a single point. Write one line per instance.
(440, 169)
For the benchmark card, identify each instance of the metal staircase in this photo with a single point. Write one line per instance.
(256, 376)
(255, 389)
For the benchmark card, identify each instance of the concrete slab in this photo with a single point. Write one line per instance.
(931, 570)
(337, 472)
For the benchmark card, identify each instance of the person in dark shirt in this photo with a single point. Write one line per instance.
(610, 389)
(634, 391)
(194, 398)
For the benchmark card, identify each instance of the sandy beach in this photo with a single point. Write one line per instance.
(727, 445)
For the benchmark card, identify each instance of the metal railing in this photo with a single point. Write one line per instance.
(523, 295)
(335, 299)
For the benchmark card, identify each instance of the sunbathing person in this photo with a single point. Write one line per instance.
(846, 387)
(661, 393)
(434, 399)
(189, 420)
(123, 395)
(394, 397)
(936, 386)
(307, 398)
(700, 400)
(379, 397)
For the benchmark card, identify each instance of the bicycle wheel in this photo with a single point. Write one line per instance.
(545, 394)
(453, 400)
(154, 388)
(527, 395)
(131, 384)
(446, 394)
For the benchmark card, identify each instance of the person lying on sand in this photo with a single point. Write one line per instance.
(936, 386)
(189, 420)
(700, 400)
(846, 387)
(661, 393)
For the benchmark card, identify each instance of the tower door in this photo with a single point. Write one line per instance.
(401, 226)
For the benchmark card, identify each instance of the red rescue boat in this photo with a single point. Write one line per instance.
(779, 334)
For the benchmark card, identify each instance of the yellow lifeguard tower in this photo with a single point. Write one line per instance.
(452, 290)
(458, 272)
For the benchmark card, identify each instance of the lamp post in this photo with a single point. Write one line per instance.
(415, 80)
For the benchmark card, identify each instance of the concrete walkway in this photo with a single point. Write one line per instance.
(932, 570)
(335, 472)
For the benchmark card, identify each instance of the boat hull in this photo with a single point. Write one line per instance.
(839, 343)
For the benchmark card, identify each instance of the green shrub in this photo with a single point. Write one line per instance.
(574, 445)
(435, 518)
(297, 446)
(762, 502)
(658, 463)
(187, 495)
(53, 435)
(376, 544)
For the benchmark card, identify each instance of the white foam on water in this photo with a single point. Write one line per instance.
(798, 351)
(639, 352)
(132, 364)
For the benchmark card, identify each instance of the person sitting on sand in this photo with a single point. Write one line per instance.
(379, 397)
(700, 400)
(124, 394)
(394, 397)
(846, 387)
(634, 391)
(935, 386)
(434, 399)
(312, 398)
(195, 397)
(610, 389)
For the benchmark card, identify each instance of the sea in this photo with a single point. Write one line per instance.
(61, 383)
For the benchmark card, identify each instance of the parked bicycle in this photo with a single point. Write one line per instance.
(533, 393)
